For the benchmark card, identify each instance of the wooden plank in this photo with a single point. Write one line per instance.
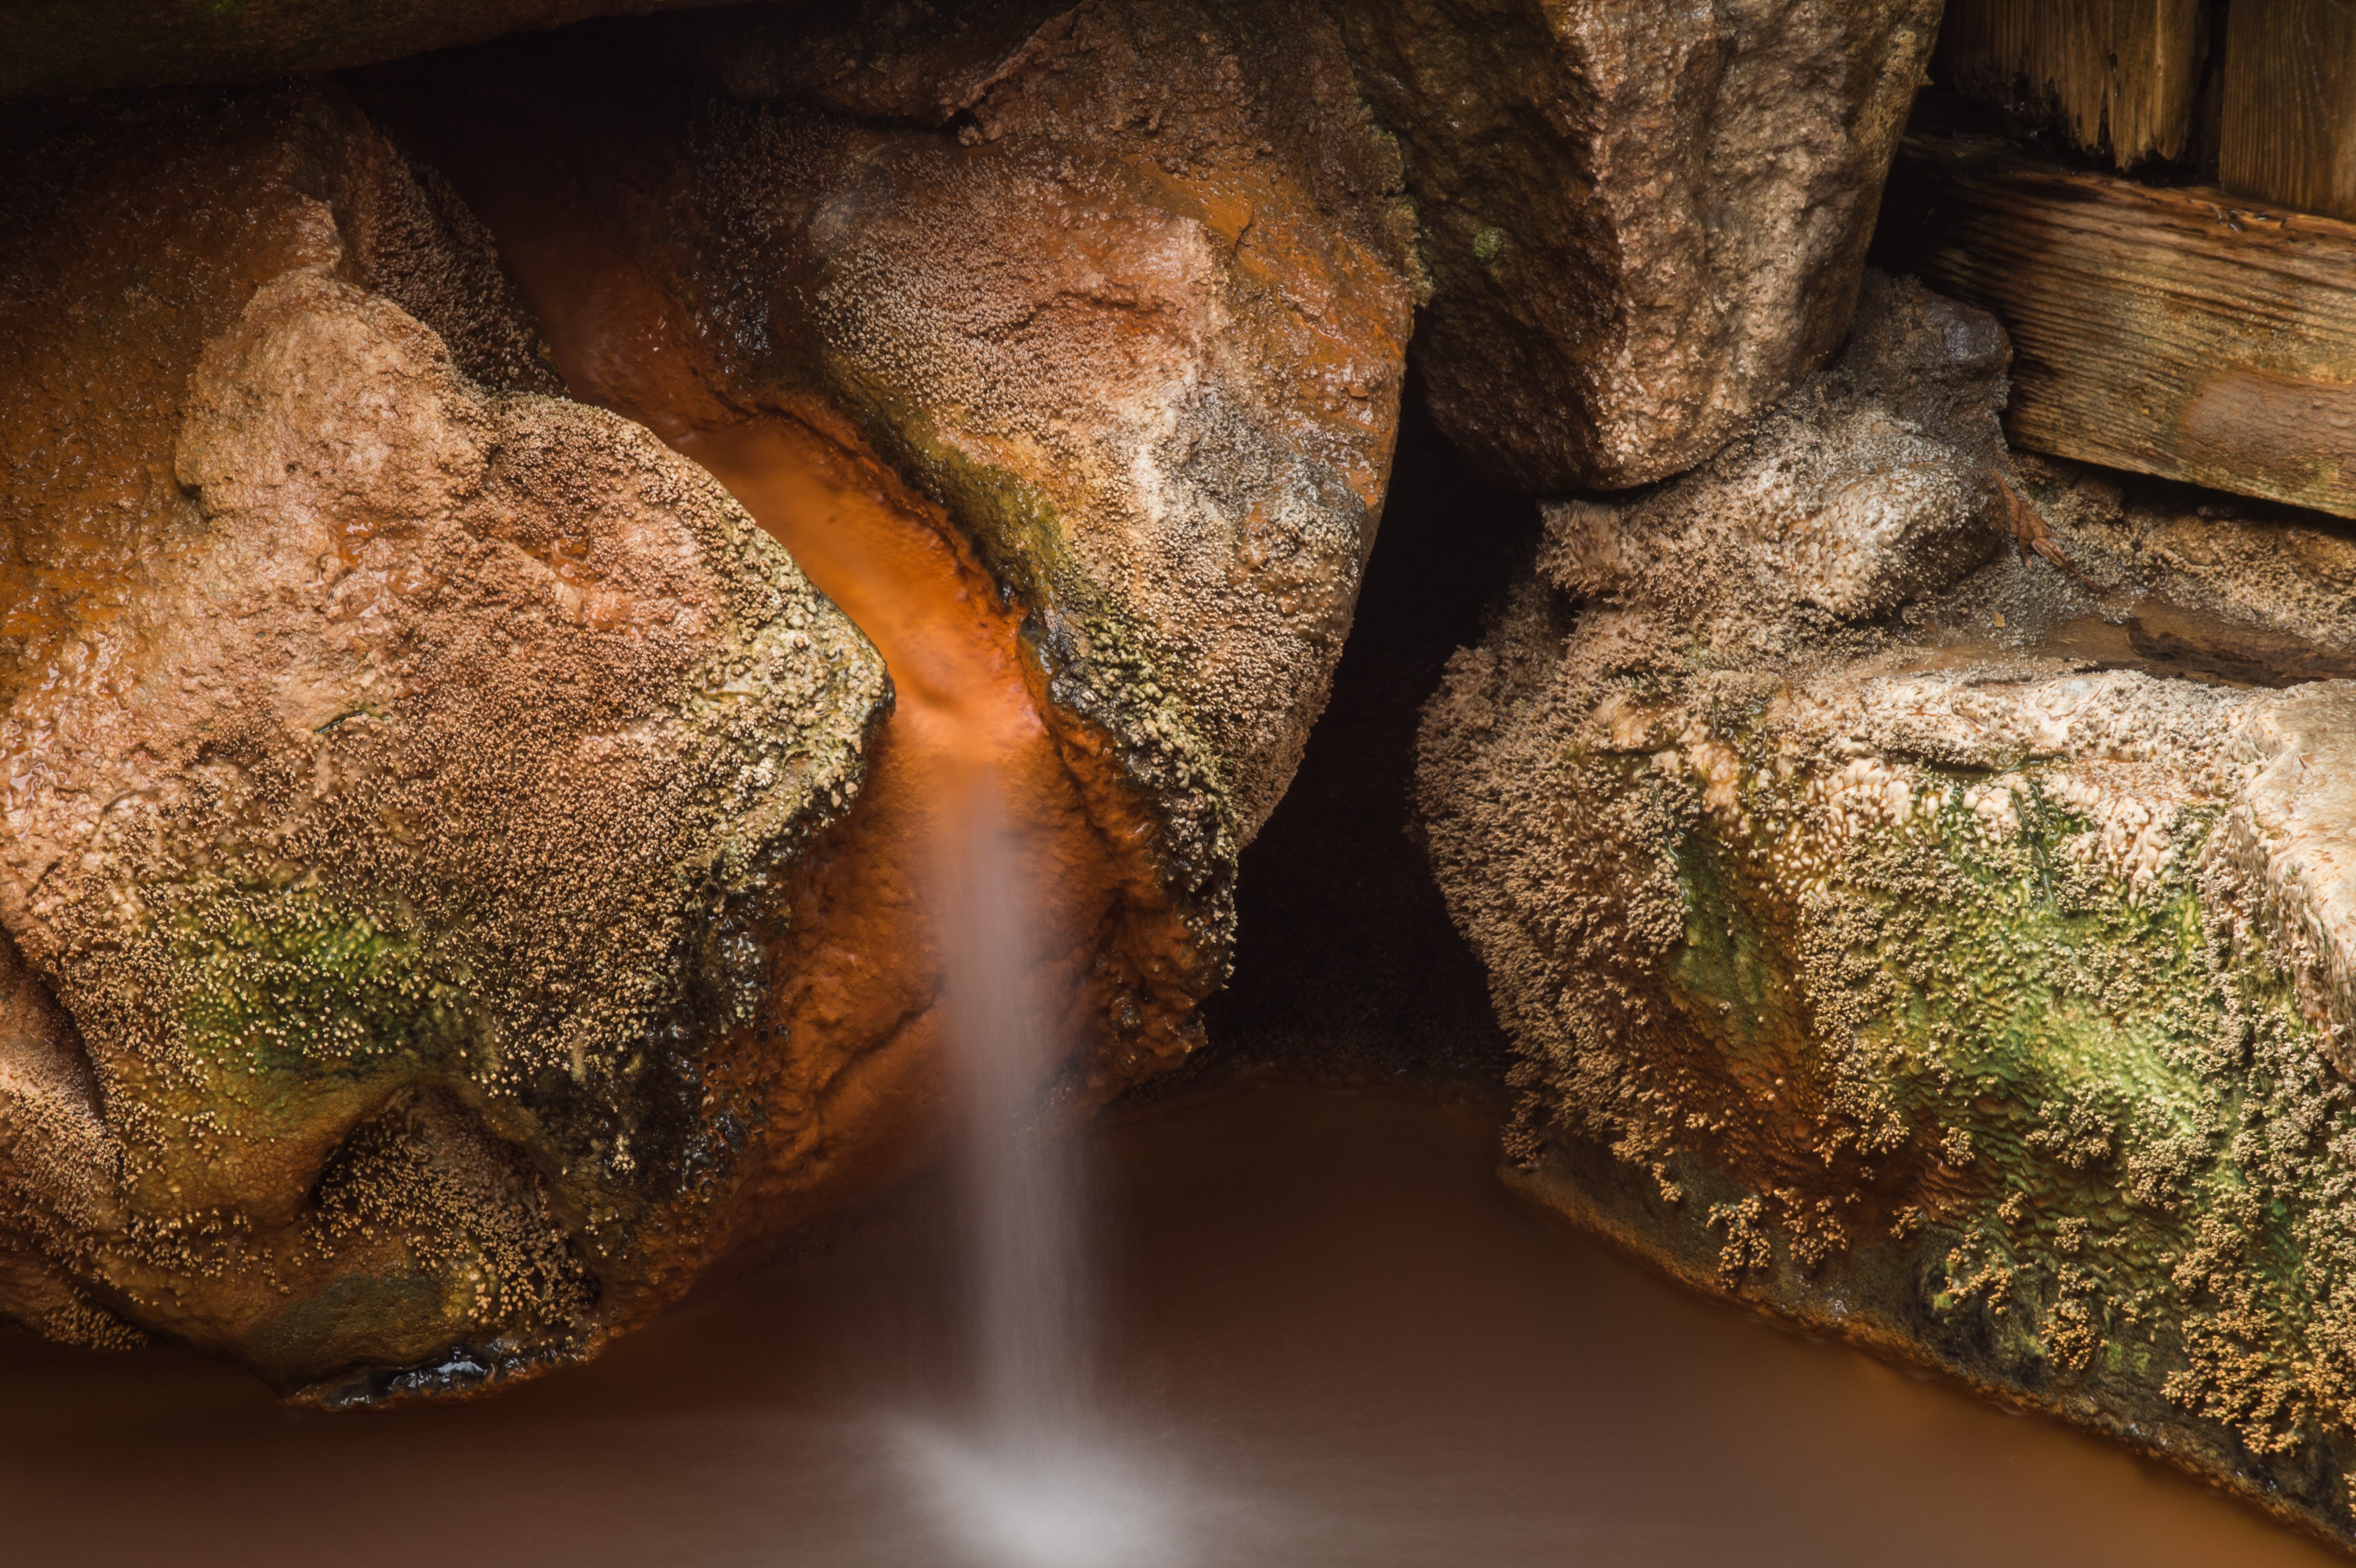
(2176, 332)
(2117, 77)
(2289, 132)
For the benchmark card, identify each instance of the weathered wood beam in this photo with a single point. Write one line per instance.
(2289, 132)
(2175, 332)
(2115, 77)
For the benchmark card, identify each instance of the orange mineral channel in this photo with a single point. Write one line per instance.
(858, 980)
(857, 1084)
(856, 984)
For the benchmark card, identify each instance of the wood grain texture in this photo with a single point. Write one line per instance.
(2289, 132)
(2117, 77)
(2175, 332)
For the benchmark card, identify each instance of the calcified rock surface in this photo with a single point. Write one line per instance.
(388, 761)
(1886, 941)
(453, 896)
(1134, 298)
(1644, 221)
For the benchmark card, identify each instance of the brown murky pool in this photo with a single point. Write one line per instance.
(1332, 1340)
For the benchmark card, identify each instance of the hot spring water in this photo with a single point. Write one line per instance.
(1033, 1474)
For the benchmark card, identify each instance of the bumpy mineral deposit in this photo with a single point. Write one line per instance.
(1906, 925)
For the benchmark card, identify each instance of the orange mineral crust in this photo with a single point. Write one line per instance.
(847, 1067)
(519, 567)
(858, 962)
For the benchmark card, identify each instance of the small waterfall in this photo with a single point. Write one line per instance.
(1021, 1192)
(1033, 1478)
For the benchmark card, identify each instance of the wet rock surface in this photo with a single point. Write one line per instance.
(1133, 296)
(513, 560)
(389, 776)
(1887, 940)
(1130, 306)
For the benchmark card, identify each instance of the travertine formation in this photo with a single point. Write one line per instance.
(1888, 941)
(464, 879)
(1133, 298)
(1644, 222)
(451, 896)
(390, 765)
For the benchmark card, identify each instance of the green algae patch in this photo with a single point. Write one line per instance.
(1727, 963)
(1979, 1097)
(295, 984)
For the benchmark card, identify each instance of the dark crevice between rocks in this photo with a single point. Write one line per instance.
(1348, 967)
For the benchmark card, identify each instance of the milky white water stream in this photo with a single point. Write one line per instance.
(1030, 1474)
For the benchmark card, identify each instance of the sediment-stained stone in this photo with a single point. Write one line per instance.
(1890, 944)
(390, 765)
(1644, 222)
(1122, 291)
(1133, 298)
(465, 881)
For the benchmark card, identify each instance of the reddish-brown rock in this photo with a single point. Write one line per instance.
(392, 765)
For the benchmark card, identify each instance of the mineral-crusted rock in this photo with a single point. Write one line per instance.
(1134, 301)
(1125, 289)
(1886, 944)
(479, 870)
(390, 764)
(1127, 300)
(1644, 222)
(1870, 485)
(2261, 592)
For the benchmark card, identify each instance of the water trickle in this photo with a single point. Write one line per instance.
(1021, 1192)
(1029, 1476)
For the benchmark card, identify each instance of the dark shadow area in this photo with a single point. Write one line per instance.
(1346, 964)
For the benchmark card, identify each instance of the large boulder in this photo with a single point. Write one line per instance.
(1129, 286)
(391, 765)
(1887, 941)
(1124, 291)
(1641, 225)
(1644, 222)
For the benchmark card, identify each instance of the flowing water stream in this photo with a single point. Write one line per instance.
(1030, 1475)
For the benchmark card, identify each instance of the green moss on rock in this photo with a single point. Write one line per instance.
(1966, 996)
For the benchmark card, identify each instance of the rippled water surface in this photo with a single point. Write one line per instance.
(1330, 1338)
